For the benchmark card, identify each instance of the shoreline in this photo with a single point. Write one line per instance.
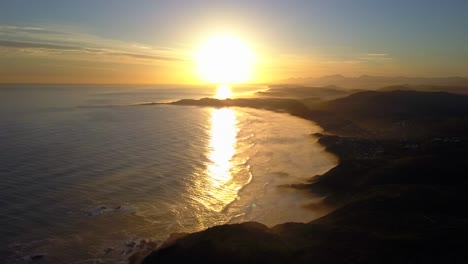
(288, 106)
(389, 195)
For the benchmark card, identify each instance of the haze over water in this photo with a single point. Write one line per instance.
(86, 168)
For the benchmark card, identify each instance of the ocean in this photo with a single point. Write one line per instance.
(89, 172)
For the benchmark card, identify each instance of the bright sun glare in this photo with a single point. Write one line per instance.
(224, 59)
(223, 92)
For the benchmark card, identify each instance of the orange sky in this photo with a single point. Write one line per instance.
(154, 41)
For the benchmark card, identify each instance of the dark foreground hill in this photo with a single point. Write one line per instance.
(400, 194)
(461, 89)
(398, 114)
(307, 93)
(373, 82)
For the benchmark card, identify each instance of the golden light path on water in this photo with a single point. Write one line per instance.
(226, 189)
(222, 145)
(219, 187)
(223, 92)
(222, 142)
(222, 149)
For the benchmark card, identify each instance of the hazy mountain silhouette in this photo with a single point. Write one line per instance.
(306, 92)
(373, 82)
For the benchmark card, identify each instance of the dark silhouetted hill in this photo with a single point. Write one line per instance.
(399, 193)
(427, 88)
(400, 114)
(306, 92)
(375, 82)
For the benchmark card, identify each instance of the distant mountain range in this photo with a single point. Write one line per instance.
(374, 82)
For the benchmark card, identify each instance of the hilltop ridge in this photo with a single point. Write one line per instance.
(399, 198)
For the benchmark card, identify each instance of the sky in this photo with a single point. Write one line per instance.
(117, 41)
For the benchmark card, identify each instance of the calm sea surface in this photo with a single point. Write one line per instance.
(85, 171)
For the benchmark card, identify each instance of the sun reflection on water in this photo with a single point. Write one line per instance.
(223, 92)
(222, 145)
(219, 187)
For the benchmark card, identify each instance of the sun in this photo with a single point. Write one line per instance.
(224, 59)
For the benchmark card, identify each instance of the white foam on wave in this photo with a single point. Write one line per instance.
(281, 152)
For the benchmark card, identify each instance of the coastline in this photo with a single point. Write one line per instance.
(387, 193)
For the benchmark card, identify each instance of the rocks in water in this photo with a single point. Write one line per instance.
(37, 257)
(142, 244)
(142, 249)
(133, 250)
(108, 250)
(130, 244)
(101, 210)
(152, 244)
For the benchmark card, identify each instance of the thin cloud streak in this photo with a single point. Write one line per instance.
(144, 56)
(42, 40)
(27, 45)
(48, 46)
(14, 30)
(377, 54)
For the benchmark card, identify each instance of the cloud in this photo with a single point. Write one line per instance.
(48, 46)
(27, 45)
(375, 57)
(28, 30)
(44, 41)
(348, 61)
(144, 56)
(377, 54)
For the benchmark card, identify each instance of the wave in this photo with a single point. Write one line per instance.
(74, 171)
